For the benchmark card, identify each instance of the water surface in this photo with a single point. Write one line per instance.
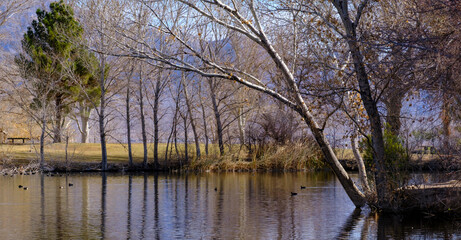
(197, 206)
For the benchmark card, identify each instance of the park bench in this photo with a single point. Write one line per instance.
(12, 139)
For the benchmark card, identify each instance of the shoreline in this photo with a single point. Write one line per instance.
(417, 166)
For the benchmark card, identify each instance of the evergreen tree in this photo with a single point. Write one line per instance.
(55, 56)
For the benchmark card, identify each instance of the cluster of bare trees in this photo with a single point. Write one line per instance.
(182, 71)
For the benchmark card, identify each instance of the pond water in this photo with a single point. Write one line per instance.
(198, 206)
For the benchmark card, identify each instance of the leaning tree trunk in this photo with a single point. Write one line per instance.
(356, 196)
(382, 184)
(257, 34)
(168, 145)
(360, 164)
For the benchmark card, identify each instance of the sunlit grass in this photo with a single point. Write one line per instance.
(91, 152)
(81, 152)
(295, 157)
(275, 157)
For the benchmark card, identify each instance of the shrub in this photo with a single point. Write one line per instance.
(396, 157)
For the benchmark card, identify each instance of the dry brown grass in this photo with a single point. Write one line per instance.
(288, 158)
(77, 152)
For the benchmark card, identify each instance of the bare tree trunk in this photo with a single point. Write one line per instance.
(175, 129)
(393, 108)
(256, 33)
(102, 132)
(217, 118)
(360, 164)
(204, 122)
(57, 128)
(191, 119)
(168, 145)
(446, 121)
(143, 122)
(175, 138)
(175, 134)
(84, 118)
(186, 141)
(42, 142)
(128, 125)
(382, 184)
(241, 125)
(156, 125)
(66, 151)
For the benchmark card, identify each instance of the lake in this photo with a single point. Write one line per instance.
(198, 206)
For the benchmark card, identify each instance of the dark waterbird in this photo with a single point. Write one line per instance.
(303, 187)
(216, 189)
(293, 193)
(20, 186)
(25, 188)
(71, 184)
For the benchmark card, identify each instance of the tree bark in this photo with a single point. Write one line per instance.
(241, 126)
(356, 196)
(175, 129)
(205, 128)
(186, 141)
(57, 128)
(143, 122)
(393, 108)
(85, 113)
(446, 121)
(217, 115)
(102, 132)
(360, 164)
(42, 142)
(128, 124)
(382, 185)
(168, 145)
(256, 33)
(156, 124)
(191, 119)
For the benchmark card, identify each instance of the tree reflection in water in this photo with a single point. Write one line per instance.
(161, 206)
(371, 225)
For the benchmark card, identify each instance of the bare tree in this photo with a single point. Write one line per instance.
(157, 85)
(188, 101)
(12, 7)
(248, 22)
(128, 116)
(97, 17)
